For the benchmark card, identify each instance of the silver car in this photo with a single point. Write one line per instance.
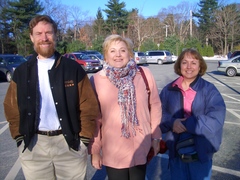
(231, 66)
(159, 57)
(140, 57)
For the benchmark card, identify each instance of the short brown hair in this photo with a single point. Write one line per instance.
(40, 18)
(195, 54)
(114, 38)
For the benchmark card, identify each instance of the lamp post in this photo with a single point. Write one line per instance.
(166, 26)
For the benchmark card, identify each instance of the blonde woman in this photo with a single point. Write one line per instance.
(127, 128)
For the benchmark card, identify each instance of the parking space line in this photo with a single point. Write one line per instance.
(12, 174)
(231, 97)
(234, 113)
(3, 129)
(218, 83)
(235, 110)
(230, 102)
(226, 171)
(3, 122)
(232, 123)
(238, 95)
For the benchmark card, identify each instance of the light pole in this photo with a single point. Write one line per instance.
(166, 26)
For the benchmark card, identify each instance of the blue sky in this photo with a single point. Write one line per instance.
(146, 7)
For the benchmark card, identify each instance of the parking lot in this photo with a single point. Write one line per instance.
(225, 163)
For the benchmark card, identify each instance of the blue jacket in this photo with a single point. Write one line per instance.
(206, 122)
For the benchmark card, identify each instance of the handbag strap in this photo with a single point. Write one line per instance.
(147, 86)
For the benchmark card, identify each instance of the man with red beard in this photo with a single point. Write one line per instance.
(51, 109)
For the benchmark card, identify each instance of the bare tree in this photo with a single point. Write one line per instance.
(59, 13)
(177, 19)
(79, 19)
(141, 29)
(226, 27)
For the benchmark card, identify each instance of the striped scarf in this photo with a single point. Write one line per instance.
(122, 78)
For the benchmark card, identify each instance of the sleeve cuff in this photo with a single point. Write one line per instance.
(85, 140)
(19, 140)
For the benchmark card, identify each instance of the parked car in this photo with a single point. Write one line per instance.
(174, 58)
(88, 64)
(8, 63)
(235, 53)
(231, 66)
(28, 57)
(93, 52)
(159, 57)
(94, 57)
(140, 57)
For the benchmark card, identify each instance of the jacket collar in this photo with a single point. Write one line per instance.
(192, 85)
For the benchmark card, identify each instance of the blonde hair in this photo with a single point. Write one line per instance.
(115, 37)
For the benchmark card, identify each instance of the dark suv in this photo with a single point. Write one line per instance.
(235, 53)
(8, 63)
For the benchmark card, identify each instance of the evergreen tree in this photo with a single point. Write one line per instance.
(18, 14)
(205, 16)
(116, 17)
(99, 24)
(97, 44)
(171, 44)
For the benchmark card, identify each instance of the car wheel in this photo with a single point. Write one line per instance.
(160, 62)
(8, 76)
(231, 72)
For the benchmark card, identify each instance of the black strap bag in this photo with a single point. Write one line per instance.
(186, 150)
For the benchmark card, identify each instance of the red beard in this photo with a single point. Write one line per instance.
(45, 52)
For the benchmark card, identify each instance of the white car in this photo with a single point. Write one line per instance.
(159, 57)
(231, 66)
(140, 57)
(174, 58)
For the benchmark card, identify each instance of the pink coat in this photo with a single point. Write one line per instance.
(118, 151)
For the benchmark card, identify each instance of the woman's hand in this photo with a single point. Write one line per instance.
(156, 146)
(178, 127)
(96, 161)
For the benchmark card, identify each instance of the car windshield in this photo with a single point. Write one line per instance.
(168, 53)
(85, 57)
(15, 59)
(141, 54)
(78, 56)
(92, 52)
(93, 57)
(82, 56)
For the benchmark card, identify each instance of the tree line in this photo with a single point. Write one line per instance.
(210, 26)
